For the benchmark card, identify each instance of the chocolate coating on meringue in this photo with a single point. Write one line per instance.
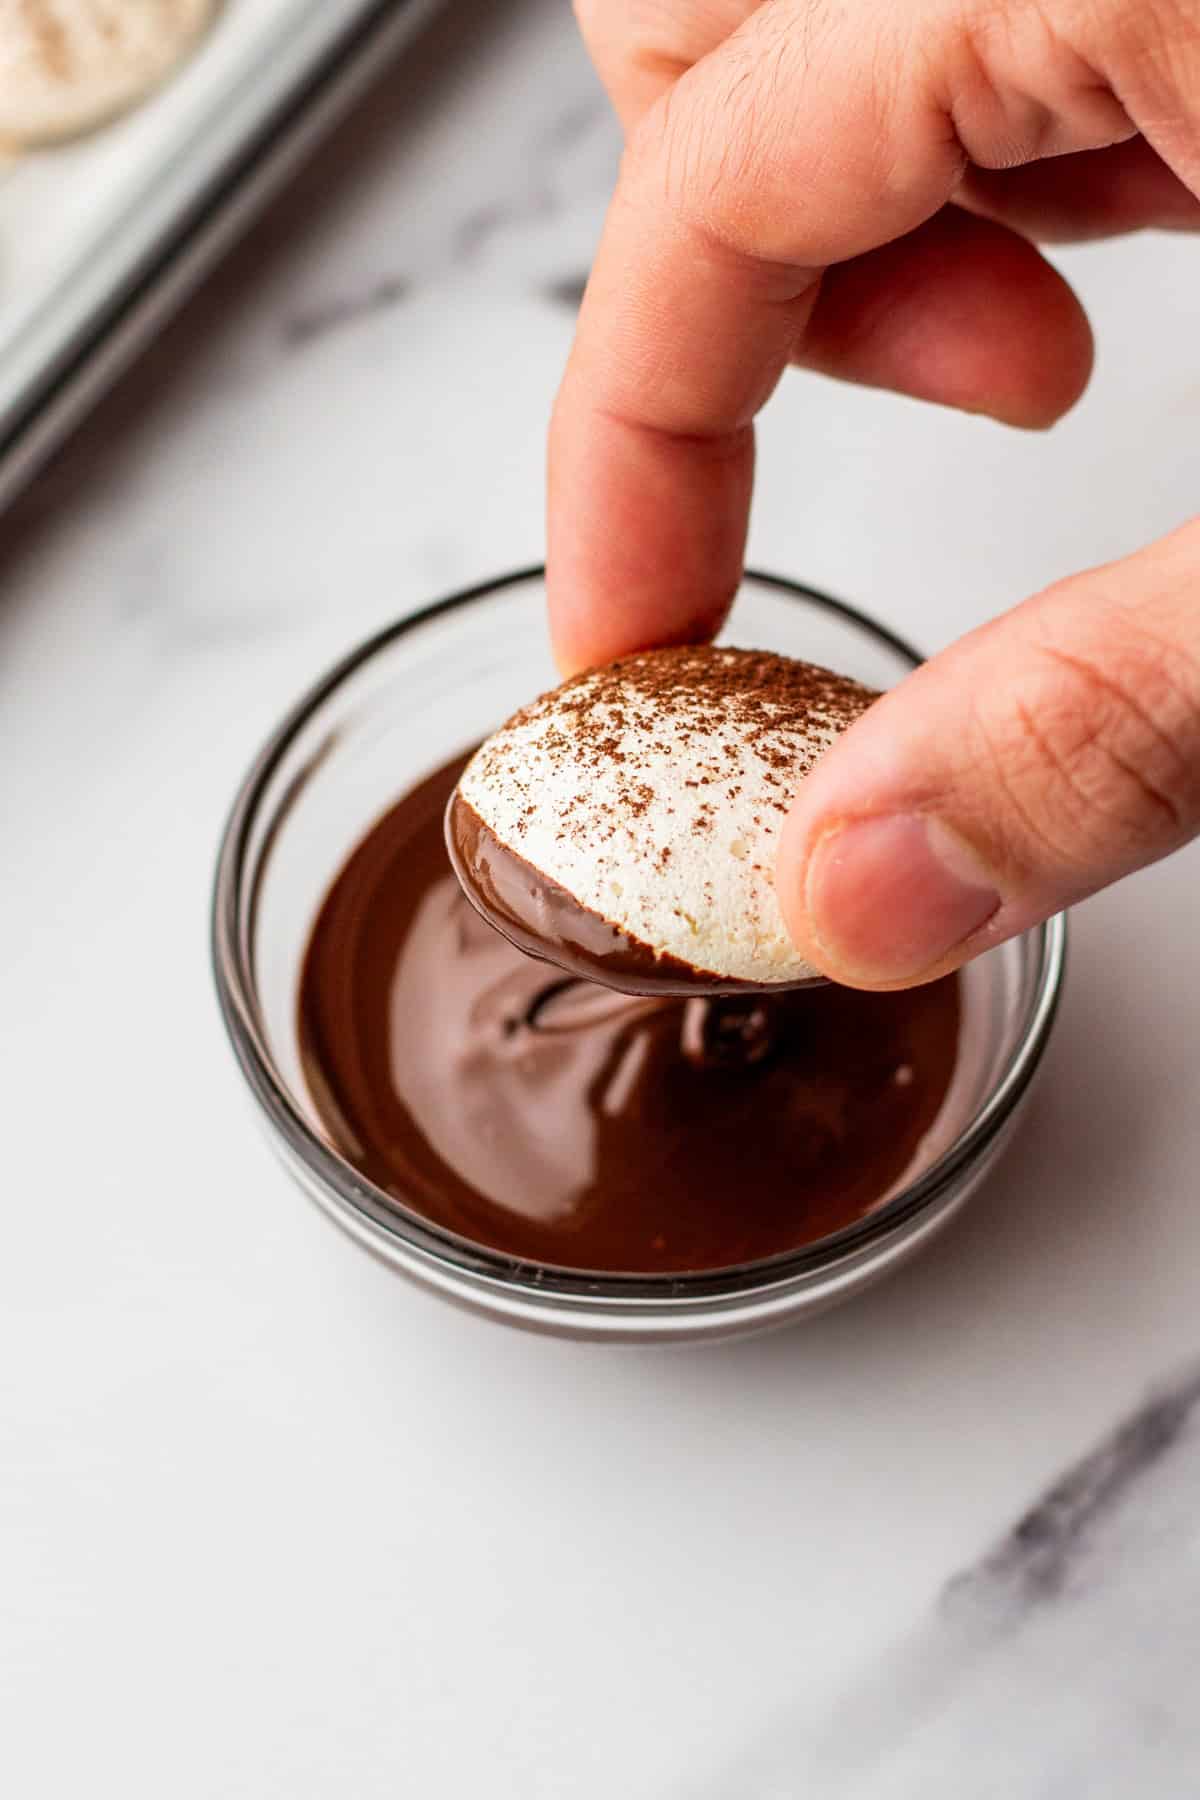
(543, 920)
(625, 825)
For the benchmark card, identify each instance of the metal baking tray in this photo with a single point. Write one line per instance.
(101, 238)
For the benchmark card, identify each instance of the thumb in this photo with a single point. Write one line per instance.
(1036, 761)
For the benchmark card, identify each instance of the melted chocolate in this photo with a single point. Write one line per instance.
(562, 1123)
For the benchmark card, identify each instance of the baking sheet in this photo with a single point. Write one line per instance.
(81, 224)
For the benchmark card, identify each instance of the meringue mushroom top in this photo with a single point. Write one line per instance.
(651, 794)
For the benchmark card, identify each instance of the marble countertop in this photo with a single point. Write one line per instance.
(273, 1522)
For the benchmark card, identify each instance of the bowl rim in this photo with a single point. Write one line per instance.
(445, 1257)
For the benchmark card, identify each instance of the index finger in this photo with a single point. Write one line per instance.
(814, 134)
(764, 163)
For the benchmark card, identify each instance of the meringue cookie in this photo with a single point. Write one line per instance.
(626, 824)
(68, 65)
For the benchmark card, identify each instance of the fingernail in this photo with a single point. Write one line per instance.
(889, 898)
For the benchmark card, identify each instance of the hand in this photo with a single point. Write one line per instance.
(852, 185)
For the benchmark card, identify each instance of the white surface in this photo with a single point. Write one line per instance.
(272, 1523)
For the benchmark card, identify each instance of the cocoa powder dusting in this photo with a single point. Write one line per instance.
(771, 701)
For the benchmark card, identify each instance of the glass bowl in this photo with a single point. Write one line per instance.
(393, 711)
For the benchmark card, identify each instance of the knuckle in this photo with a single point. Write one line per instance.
(717, 142)
(1096, 745)
(661, 152)
(728, 137)
(738, 150)
(1030, 82)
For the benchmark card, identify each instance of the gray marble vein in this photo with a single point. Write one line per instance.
(1038, 1560)
(314, 322)
(1064, 1666)
(567, 291)
(544, 188)
(489, 159)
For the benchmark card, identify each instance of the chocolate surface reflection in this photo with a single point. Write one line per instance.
(563, 1123)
